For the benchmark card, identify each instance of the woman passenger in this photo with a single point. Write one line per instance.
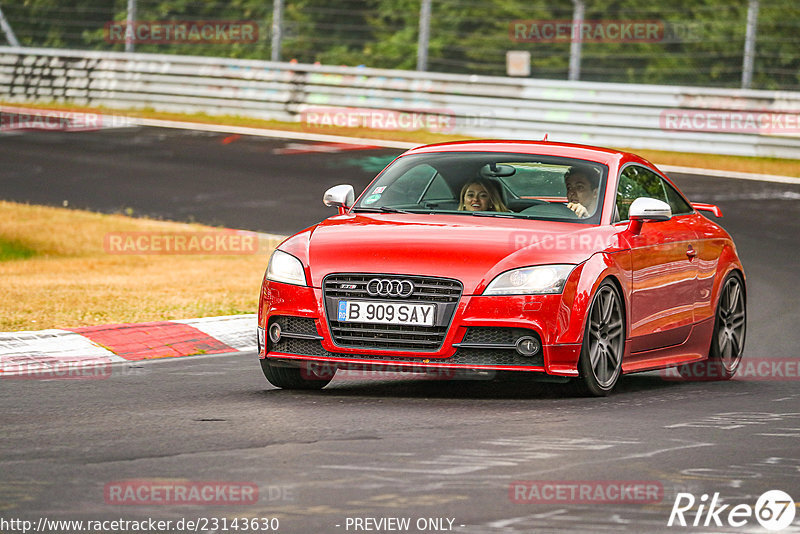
(481, 195)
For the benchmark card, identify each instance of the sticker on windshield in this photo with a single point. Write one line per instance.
(372, 199)
(379, 190)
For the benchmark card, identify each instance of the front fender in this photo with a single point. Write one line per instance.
(580, 290)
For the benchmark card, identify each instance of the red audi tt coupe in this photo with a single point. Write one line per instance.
(565, 262)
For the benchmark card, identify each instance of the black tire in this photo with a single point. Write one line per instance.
(727, 340)
(294, 377)
(600, 363)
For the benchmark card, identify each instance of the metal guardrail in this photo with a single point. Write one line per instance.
(605, 114)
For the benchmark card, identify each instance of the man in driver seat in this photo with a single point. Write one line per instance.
(582, 184)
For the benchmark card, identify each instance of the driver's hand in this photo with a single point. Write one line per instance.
(578, 208)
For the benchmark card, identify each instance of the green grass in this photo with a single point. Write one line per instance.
(14, 250)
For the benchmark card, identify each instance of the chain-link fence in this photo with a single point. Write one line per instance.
(683, 42)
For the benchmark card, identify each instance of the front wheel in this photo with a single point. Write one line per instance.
(294, 377)
(603, 343)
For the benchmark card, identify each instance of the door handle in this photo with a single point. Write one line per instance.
(691, 252)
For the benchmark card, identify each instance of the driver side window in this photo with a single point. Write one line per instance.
(634, 182)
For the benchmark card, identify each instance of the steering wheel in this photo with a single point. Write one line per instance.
(550, 209)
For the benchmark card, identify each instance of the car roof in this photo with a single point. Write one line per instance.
(544, 148)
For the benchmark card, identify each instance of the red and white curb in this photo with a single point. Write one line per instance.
(44, 350)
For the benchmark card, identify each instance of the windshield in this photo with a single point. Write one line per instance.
(495, 184)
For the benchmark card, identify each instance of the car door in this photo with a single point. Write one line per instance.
(664, 274)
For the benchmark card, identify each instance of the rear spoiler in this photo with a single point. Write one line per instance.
(707, 207)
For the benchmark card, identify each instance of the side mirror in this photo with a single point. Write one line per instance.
(339, 196)
(647, 209)
(651, 209)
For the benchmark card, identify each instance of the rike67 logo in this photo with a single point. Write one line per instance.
(774, 510)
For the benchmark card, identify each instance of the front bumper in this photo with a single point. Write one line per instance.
(480, 336)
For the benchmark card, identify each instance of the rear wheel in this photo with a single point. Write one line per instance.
(603, 343)
(727, 345)
(295, 377)
(727, 341)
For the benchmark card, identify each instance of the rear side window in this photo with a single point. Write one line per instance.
(676, 201)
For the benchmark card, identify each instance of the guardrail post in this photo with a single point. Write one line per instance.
(130, 26)
(424, 35)
(6, 27)
(277, 24)
(750, 44)
(575, 41)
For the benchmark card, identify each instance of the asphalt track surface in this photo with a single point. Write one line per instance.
(382, 446)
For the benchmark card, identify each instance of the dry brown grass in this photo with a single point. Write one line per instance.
(72, 281)
(785, 167)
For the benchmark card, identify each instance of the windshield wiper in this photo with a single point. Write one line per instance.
(493, 214)
(383, 209)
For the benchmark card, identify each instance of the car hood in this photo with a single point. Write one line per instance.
(468, 248)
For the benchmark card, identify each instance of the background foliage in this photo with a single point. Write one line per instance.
(467, 36)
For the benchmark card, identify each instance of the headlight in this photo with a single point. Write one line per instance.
(543, 279)
(286, 268)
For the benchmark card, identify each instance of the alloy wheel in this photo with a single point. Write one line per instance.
(731, 324)
(606, 337)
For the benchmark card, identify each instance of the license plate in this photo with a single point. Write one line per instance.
(366, 311)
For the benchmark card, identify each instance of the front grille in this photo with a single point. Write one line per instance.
(387, 336)
(444, 292)
(426, 288)
(464, 356)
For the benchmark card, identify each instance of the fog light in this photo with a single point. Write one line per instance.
(275, 332)
(528, 346)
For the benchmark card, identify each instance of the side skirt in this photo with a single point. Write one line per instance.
(694, 349)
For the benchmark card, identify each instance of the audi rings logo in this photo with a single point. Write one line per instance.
(383, 287)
